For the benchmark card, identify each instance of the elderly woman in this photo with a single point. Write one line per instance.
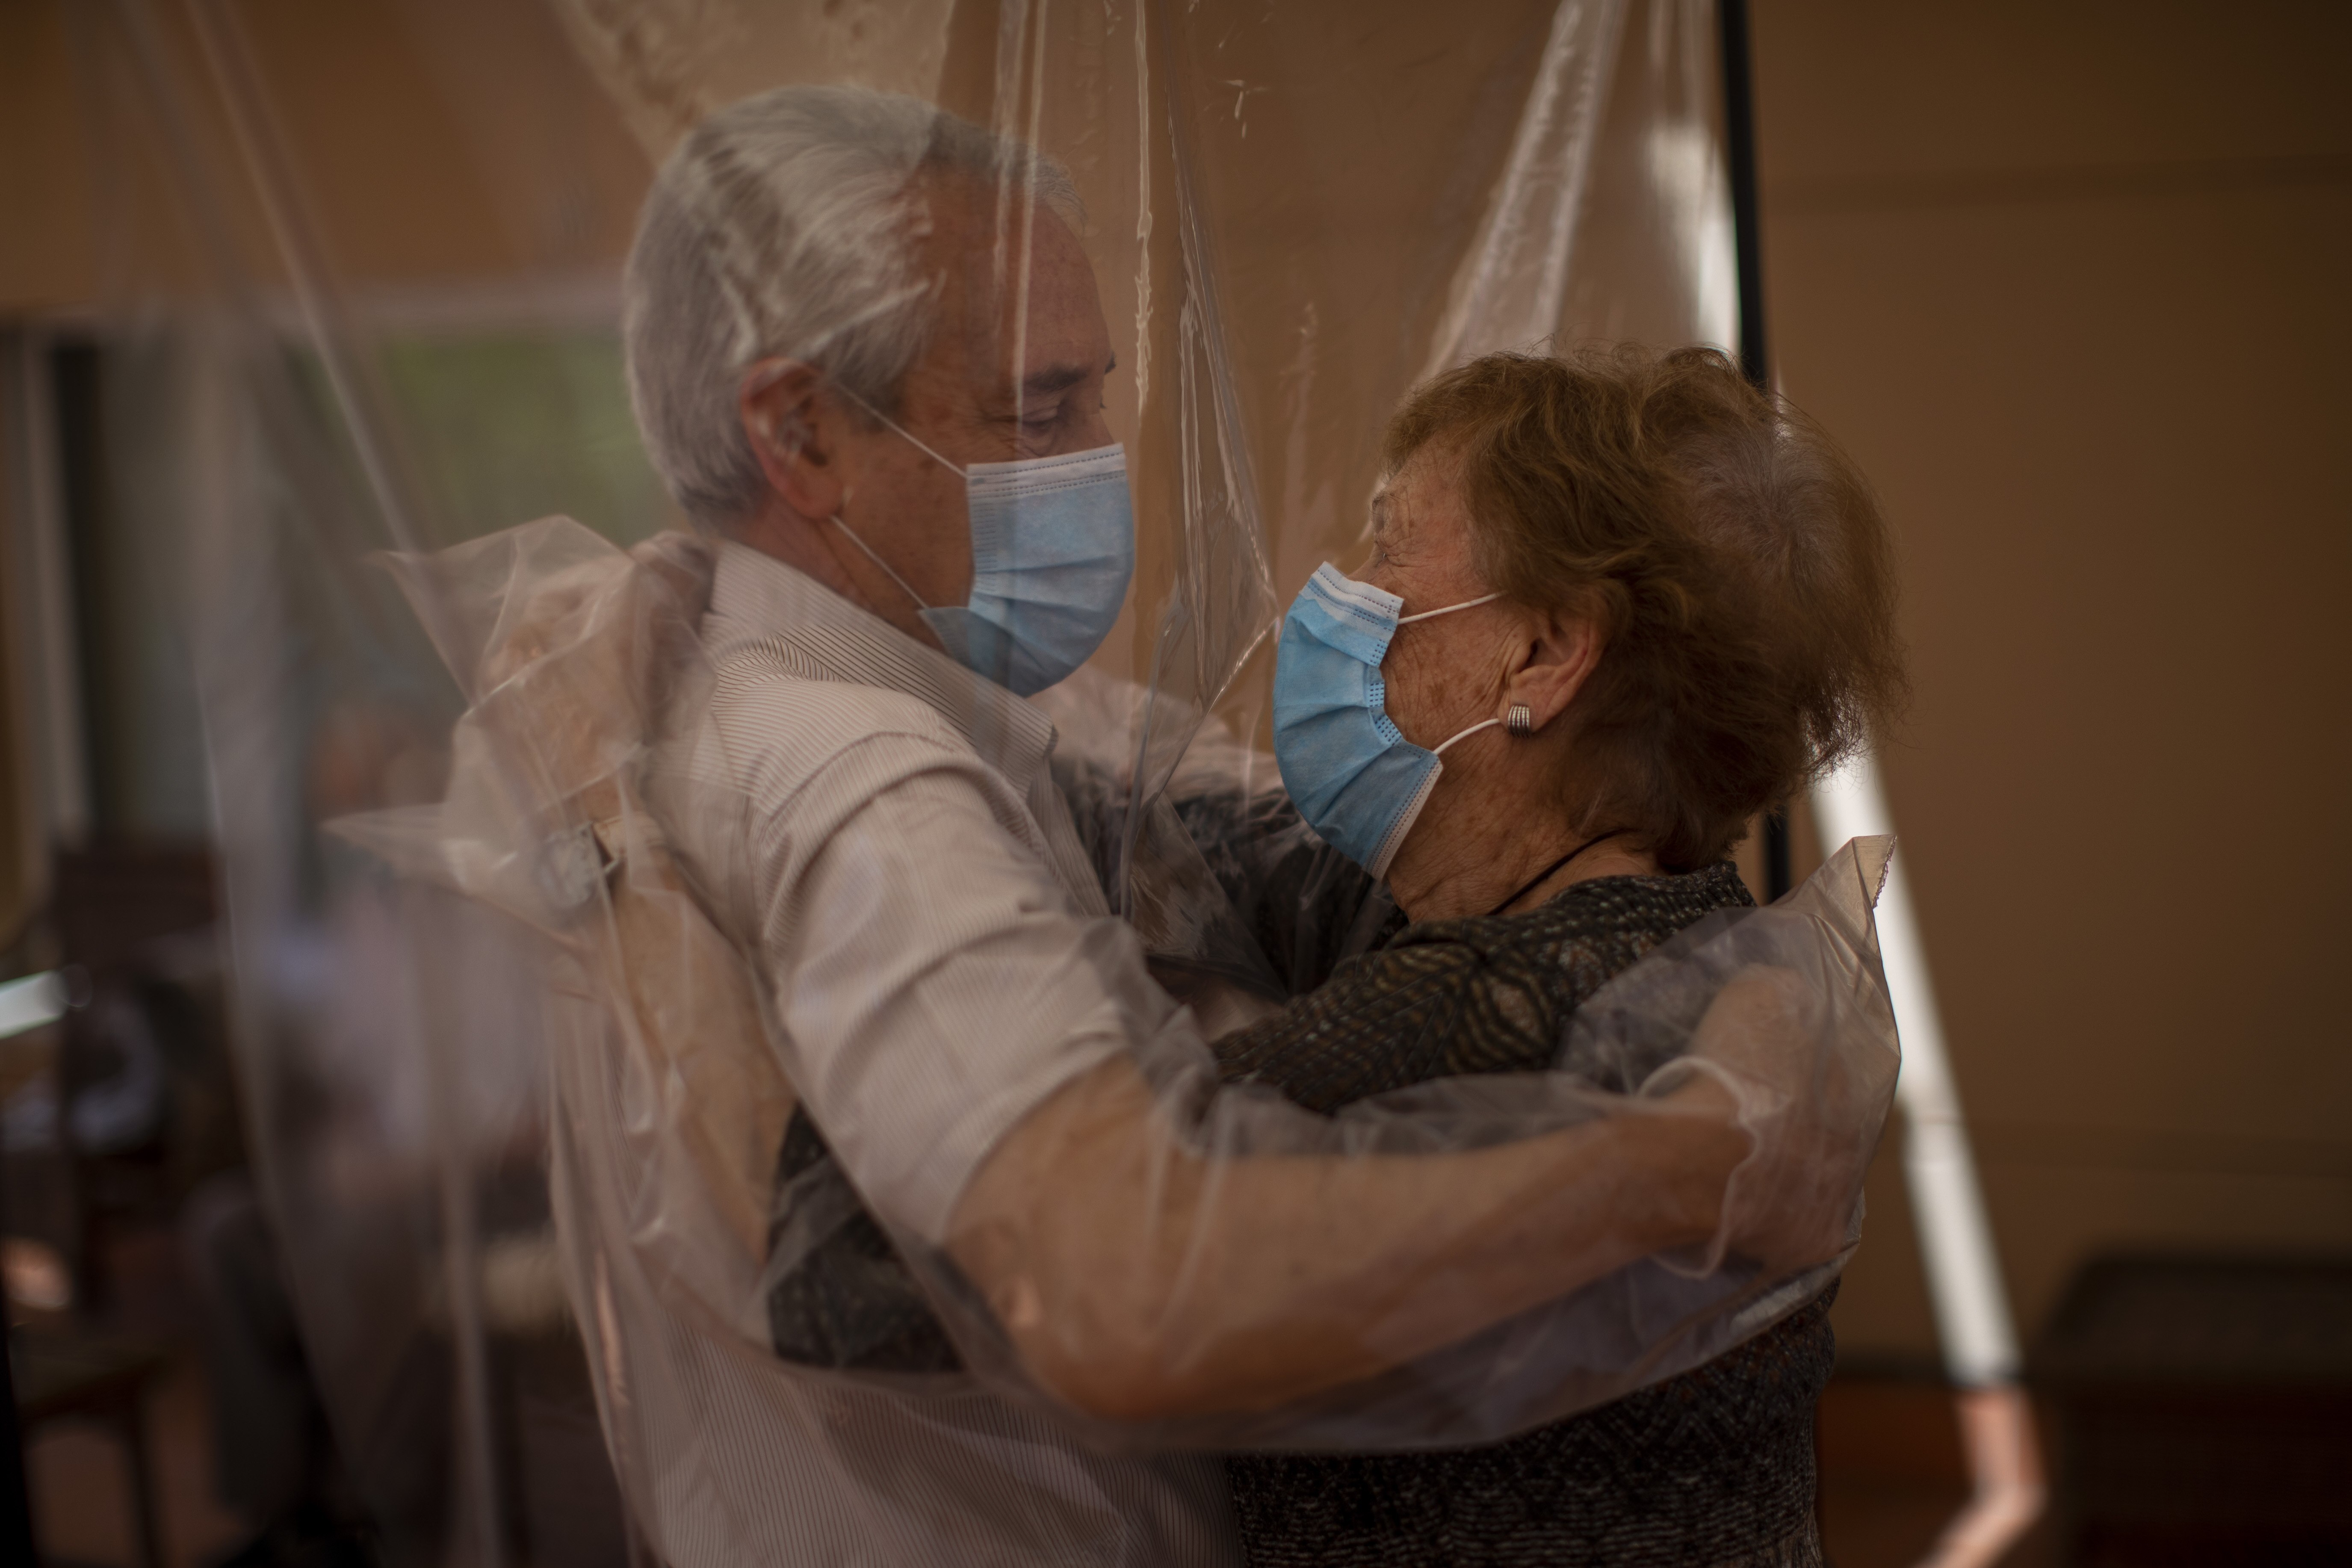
(1633, 602)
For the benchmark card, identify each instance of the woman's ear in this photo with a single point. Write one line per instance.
(1552, 666)
(795, 431)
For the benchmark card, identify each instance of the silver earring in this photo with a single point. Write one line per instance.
(1520, 719)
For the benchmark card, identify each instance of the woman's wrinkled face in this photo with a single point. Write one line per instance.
(1443, 675)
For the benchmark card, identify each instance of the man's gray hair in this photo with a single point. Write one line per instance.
(789, 225)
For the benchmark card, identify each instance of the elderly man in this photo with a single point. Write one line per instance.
(867, 355)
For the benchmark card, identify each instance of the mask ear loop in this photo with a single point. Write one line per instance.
(887, 571)
(1405, 819)
(1440, 751)
(919, 445)
(878, 561)
(1425, 615)
(919, 442)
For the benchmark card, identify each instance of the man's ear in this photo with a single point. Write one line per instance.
(794, 429)
(1553, 663)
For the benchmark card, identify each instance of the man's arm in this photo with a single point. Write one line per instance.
(1139, 1280)
(969, 1044)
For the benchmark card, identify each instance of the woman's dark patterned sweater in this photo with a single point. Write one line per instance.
(1713, 1467)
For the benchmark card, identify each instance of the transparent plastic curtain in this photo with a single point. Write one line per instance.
(364, 297)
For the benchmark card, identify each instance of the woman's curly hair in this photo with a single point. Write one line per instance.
(1735, 557)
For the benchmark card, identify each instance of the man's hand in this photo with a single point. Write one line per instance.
(1769, 1060)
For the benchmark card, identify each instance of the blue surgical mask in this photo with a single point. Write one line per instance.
(1357, 780)
(1053, 547)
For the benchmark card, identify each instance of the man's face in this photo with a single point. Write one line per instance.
(1013, 370)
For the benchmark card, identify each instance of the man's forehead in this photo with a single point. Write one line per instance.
(980, 245)
(986, 273)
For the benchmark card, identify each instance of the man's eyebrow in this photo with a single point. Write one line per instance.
(1058, 378)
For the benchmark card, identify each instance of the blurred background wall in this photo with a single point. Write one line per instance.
(2071, 282)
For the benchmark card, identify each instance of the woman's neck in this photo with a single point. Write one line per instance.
(1470, 862)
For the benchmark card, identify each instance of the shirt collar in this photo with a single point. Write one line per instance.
(756, 599)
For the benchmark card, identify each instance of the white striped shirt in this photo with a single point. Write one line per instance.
(884, 834)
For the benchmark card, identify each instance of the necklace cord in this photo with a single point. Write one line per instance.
(1537, 880)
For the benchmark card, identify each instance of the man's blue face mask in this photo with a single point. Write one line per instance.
(1053, 547)
(1359, 783)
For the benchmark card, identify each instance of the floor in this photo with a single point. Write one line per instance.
(1892, 1469)
(81, 1492)
(1893, 1474)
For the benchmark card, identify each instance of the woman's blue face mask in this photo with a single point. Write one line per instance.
(1356, 779)
(1052, 549)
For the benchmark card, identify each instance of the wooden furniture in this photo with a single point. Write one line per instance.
(61, 1375)
(2204, 1410)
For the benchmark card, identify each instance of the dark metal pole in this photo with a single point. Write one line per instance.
(16, 1496)
(1740, 148)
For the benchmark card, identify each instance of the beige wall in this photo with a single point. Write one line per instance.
(2075, 283)
(47, 256)
(436, 143)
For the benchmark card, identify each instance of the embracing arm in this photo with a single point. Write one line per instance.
(1139, 1280)
(976, 1056)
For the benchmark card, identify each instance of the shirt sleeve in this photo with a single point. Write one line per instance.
(931, 980)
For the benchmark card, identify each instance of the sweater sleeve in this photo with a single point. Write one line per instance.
(1434, 1003)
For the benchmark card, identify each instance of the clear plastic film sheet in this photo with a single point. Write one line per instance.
(541, 1066)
